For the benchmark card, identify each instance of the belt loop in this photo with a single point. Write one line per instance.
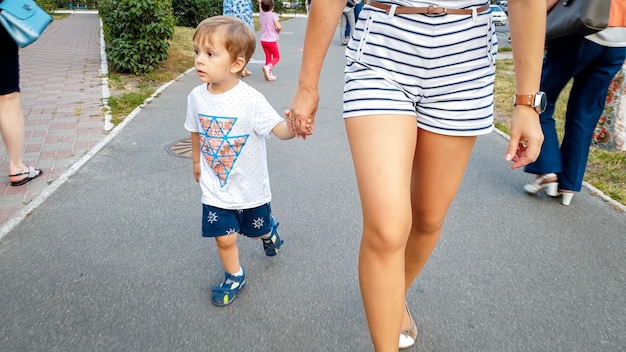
(392, 11)
(474, 14)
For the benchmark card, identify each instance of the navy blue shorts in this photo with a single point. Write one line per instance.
(252, 223)
(9, 64)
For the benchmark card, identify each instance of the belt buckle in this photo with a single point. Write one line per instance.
(431, 11)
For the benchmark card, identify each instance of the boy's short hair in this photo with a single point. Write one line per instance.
(267, 5)
(237, 37)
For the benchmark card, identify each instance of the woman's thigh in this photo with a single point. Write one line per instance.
(382, 149)
(438, 169)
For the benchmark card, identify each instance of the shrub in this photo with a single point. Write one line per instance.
(47, 5)
(136, 33)
(188, 13)
(90, 4)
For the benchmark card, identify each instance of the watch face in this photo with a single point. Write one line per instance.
(540, 102)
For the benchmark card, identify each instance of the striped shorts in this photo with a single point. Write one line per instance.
(439, 68)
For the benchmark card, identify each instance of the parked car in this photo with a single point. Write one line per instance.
(497, 15)
(290, 5)
(504, 5)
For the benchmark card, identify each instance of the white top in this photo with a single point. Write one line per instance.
(614, 37)
(232, 127)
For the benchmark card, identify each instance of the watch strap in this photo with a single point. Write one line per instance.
(524, 99)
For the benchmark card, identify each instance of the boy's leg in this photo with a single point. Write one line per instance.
(234, 280)
(223, 226)
(229, 253)
(259, 223)
(272, 241)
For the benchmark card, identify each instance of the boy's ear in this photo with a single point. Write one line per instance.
(238, 65)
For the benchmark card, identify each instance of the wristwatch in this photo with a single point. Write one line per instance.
(537, 101)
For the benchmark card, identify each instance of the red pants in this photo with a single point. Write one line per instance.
(272, 55)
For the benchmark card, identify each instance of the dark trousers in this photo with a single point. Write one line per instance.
(592, 66)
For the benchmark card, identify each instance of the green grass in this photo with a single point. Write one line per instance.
(125, 103)
(606, 170)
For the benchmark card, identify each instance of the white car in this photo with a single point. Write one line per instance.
(290, 5)
(504, 5)
(497, 15)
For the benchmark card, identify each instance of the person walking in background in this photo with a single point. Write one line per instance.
(592, 62)
(418, 91)
(242, 9)
(358, 6)
(11, 114)
(270, 28)
(229, 122)
(347, 22)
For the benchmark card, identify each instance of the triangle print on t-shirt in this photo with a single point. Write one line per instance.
(218, 148)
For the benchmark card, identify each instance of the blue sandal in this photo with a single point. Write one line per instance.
(272, 243)
(226, 293)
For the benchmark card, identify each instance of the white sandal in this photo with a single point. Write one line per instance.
(566, 197)
(408, 335)
(541, 182)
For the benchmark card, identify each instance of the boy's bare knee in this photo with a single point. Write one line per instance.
(226, 242)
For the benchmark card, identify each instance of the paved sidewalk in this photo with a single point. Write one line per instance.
(61, 84)
(113, 259)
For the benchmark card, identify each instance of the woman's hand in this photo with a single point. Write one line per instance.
(526, 137)
(301, 114)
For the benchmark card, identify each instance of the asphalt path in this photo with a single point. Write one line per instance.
(502, 32)
(113, 260)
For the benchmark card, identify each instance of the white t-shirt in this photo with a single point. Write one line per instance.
(232, 127)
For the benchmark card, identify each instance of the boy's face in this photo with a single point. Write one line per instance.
(214, 64)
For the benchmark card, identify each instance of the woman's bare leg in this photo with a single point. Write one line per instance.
(382, 151)
(438, 169)
(12, 129)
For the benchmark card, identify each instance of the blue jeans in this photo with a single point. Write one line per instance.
(592, 66)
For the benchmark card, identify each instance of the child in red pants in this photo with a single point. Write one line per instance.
(270, 27)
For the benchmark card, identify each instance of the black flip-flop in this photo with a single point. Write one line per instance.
(32, 174)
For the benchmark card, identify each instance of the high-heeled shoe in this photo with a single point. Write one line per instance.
(408, 335)
(245, 72)
(566, 197)
(543, 182)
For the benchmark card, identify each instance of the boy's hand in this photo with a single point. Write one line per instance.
(196, 171)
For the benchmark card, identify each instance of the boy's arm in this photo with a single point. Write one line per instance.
(195, 155)
(282, 131)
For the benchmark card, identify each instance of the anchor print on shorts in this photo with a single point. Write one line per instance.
(219, 149)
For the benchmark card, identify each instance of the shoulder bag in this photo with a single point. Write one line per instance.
(24, 20)
(576, 18)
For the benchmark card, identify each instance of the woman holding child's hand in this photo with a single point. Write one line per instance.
(412, 111)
